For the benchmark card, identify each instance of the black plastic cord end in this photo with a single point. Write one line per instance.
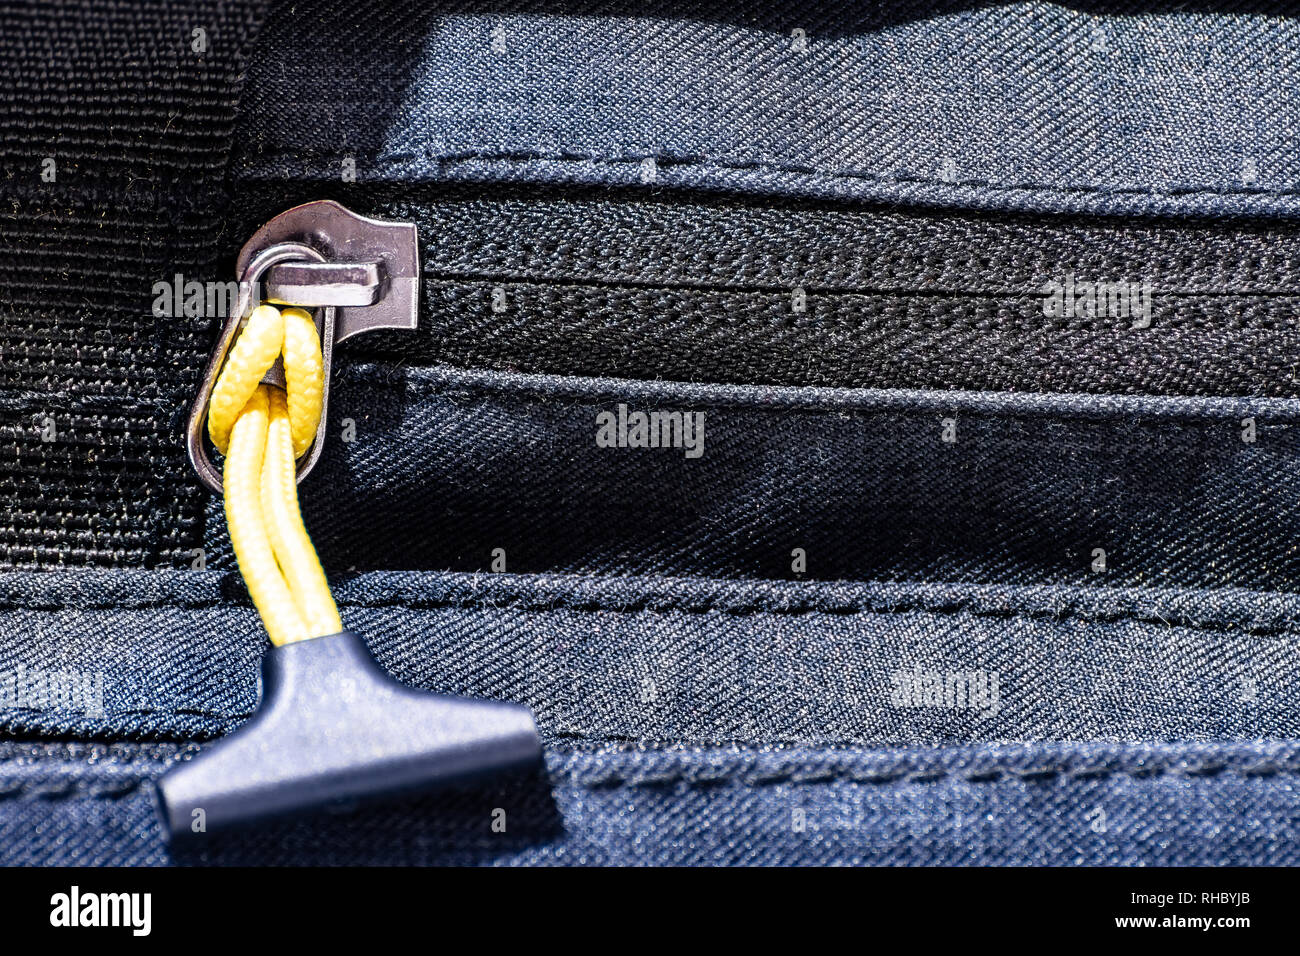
(333, 725)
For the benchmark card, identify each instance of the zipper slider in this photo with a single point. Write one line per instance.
(357, 274)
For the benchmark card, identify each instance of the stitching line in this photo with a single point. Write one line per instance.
(1045, 774)
(377, 380)
(267, 160)
(72, 791)
(960, 606)
(954, 608)
(111, 716)
(960, 299)
(1051, 775)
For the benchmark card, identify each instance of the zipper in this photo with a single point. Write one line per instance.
(358, 274)
(331, 724)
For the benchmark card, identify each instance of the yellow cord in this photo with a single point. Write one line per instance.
(262, 432)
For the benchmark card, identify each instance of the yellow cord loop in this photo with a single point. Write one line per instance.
(262, 432)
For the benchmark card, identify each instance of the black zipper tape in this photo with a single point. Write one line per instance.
(732, 290)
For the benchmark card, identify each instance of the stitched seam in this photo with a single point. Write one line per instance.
(138, 753)
(378, 381)
(1053, 775)
(563, 604)
(756, 610)
(394, 160)
(40, 604)
(73, 791)
(113, 715)
(452, 281)
(1046, 775)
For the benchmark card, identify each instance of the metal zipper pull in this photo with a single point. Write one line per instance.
(357, 274)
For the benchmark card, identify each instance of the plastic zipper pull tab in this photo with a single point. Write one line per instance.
(357, 274)
(333, 725)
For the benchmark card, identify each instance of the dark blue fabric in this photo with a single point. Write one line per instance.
(448, 466)
(689, 661)
(1101, 108)
(956, 675)
(1012, 804)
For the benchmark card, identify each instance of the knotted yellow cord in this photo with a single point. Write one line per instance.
(262, 432)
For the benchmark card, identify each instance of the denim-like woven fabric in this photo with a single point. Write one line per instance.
(1017, 804)
(447, 466)
(1101, 107)
(690, 719)
(916, 601)
(687, 661)
(686, 722)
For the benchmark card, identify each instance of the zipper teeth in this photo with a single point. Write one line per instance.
(1216, 345)
(726, 242)
(687, 244)
(523, 278)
